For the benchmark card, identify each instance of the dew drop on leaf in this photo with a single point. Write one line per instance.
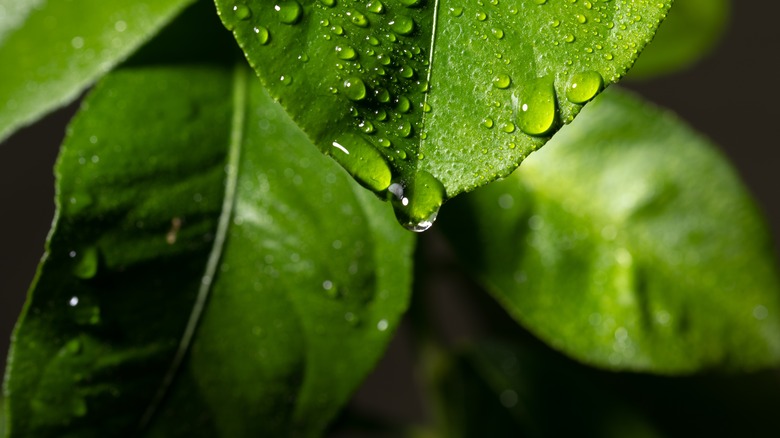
(364, 162)
(242, 12)
(417, 204)
(262, 34)
(584, 86)
(354, 88)
(289, 12)
(537, 109)
(402, 25)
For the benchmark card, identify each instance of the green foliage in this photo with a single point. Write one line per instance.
(643, 232)
(390, 78)
(250, 241)
(687, 36)
(211, 273)
(52, 50)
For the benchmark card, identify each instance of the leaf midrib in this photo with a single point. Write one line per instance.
(237, 128)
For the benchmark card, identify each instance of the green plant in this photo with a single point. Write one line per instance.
(211, 273)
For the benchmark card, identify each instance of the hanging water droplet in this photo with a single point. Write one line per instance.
(402, 25)
(584, 86)
(354, 89)
(86, 266)
(417, 203)
(362, 161)
(537, 111)
(501, 81)
(242, 12)
(262, 34)
(289, 12)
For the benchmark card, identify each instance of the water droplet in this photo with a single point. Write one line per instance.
(487, 122)
(481, 16)
(406, 72)
(405, 129)
(289, 12)
(569, 38)
(367, 127)
(584, 86)
(285, 79)
(402, 25)
(362, 161)
(540, 2)
(328, 3)
(498, 33)
(403, 104)
(242, 12)
(382, 325)
(456, 11)
(346, 52)
(537, 112)
(501, 81)
(354, 88)
(417, 204)
(375, 6)
(508, 127)
(581, 19)
(410, 3)
(87, 263)
(262, 34)
(357, 18)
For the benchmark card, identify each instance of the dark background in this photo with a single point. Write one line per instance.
(732, 97)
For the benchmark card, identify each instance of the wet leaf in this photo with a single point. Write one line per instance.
(629, 243)
(206, 263)
(52, 50)
(443, 97)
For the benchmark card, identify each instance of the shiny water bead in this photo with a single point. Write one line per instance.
(242, 12)
(410, 3)
(537, 107)
(403, 105)
(405, 129)
(402, 25)
(584, 86)
(375, 6)
(501, 81)
(354, 88)
(357, 18)
(362, 161)
(406, 72)
(416, 203)
(289, 12)
(382, 95)
(262, 35)
(328, 3)
(456, 11)
(346, 52)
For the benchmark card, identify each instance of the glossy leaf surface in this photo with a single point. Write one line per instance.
(207, 262)
(691, 32)
(51, 50)
(436, 98)
(629, 243)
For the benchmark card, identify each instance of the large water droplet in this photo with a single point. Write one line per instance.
(357, 18)
(402, 25)
(354, 88)
(584, 86)
(501, 81)
(537, 107)
(346, 52)
(417, 204)
(262, 34)
(362, 161)
(289, 12)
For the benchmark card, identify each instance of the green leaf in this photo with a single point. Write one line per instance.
(206, 263)
(504, 390)
(441, 97)
(52, 50)
(2, 416)
(691, 32)
(629, 243)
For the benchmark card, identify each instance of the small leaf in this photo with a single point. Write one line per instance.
(629, 243)
(52, 50)
(446, 96)
(206, 263)
(691, 32)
